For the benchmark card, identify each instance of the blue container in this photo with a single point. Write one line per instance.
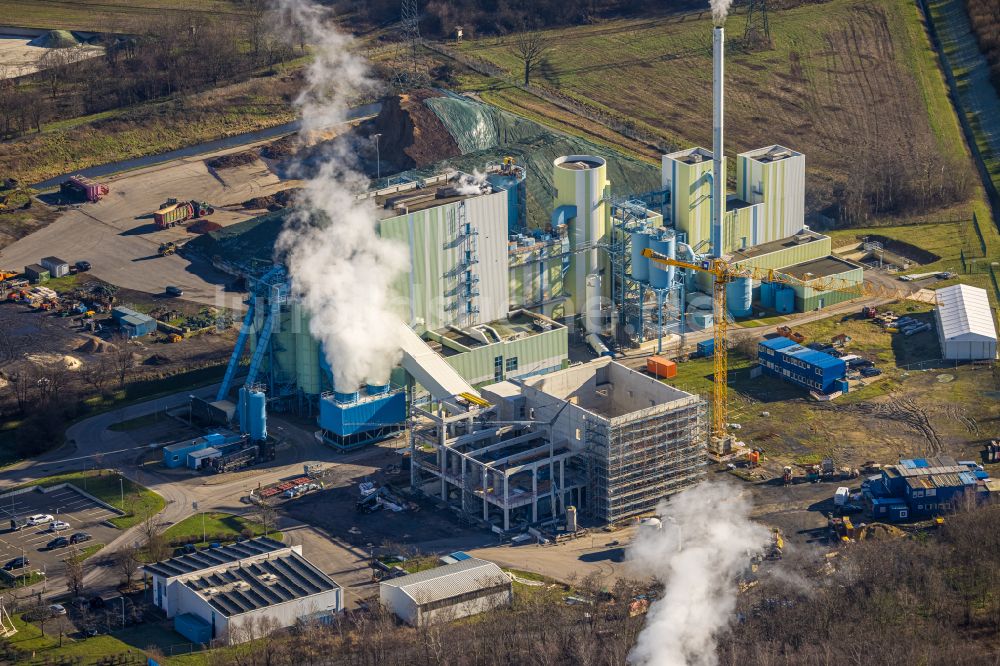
(373, 414)
(766, 295)
(784, 299)
(377, 389)
(257, 412)
(739, 297)
(640, 264)
(706, 347)
(659, 277)
(843, 386)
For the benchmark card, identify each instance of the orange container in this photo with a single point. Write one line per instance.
(661, 367)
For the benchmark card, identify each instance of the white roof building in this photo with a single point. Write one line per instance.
(446, 593)
(965, 323)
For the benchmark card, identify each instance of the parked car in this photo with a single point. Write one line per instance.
(58, 542)
(174, 291)
(83, 266)
(80, 537)
(57, 609)
(859, 363)
(38, 519)
(58, 526)
(870, 372)
(17, 563)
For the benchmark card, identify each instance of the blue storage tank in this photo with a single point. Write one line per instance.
(257, 413)
(377, 389)
(784, 299)
(241, 410)
(346, 397)
(640, 264)
(739, 297)
(766, 295)
(659, 277)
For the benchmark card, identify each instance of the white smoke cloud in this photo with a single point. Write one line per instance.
(720, 9)
(339, 267)
(701, 548)
(471, 183)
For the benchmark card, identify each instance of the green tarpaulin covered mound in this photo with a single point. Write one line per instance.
(55, 39)
(483, 134)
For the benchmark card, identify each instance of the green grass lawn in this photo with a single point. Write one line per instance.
(87, 552)
(30, 639)
(109, 487)
(216, 526)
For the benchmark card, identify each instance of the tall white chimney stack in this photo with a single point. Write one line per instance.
(718, 147)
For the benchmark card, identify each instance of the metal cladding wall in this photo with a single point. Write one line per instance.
(690, 195)
(790, 256)
(739, 232)
(807, 299)
(429, 291)
(536, 354)
(586, 189)
(537, 280)
(344, 419)
(780, 185)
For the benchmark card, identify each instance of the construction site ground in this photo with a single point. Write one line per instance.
(118, 237)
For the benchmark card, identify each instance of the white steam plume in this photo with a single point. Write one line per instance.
(701, 548)
(339, 267)
(471, 184)
(720, 9)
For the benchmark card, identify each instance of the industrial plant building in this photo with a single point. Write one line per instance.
(222, 593)
(467, 587)
(601, 437)
(965, 323)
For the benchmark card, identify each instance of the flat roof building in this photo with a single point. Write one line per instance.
(808, 368)
(466, 587)
(965, 323)
(231, 593)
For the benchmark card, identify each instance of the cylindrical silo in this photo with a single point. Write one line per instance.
(581, 181)
(257, 411)
(241, 410)
(640, 264)
(739, 297)
(345, 396)
(377, 388)
(784, 299)
(659, 275)
(767, 294)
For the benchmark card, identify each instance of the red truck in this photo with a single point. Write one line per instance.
(81, 186)
(175, 212)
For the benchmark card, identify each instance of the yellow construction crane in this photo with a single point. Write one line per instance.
(724, 272)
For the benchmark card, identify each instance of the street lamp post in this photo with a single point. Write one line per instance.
(378, 159)
(121, 486)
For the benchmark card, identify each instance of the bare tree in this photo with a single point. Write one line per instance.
(97, 374)
(155, 543)
(127, 561)
(265, 514)
(74, 573)
(54, 65)
(22, 384)
(122, 358)
(530, 48)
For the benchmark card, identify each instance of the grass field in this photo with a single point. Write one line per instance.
(216, 527)
(834, 69)
(46, 649)
(109, 487)
(109, 15)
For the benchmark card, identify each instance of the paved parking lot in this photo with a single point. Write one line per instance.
(66, 504)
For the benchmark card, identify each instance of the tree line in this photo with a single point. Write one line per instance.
(985, 18)
(169, 56)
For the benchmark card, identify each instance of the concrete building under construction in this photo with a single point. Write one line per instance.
(608, 440)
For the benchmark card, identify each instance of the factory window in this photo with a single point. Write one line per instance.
(920, 507)
(498, 369)
(512, 364)
(918, 493)
(818, 371)
(903, 513)
(578, 437)
(931, 492)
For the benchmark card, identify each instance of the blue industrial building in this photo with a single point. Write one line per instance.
(350, 420)
(921, 488)
(177, 454)
(808, 368)
(133, 324)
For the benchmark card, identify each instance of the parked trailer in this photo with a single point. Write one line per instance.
(597, 346)
(81, 186)
(174, 212)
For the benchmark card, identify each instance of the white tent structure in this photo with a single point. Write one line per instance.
(965, 323)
